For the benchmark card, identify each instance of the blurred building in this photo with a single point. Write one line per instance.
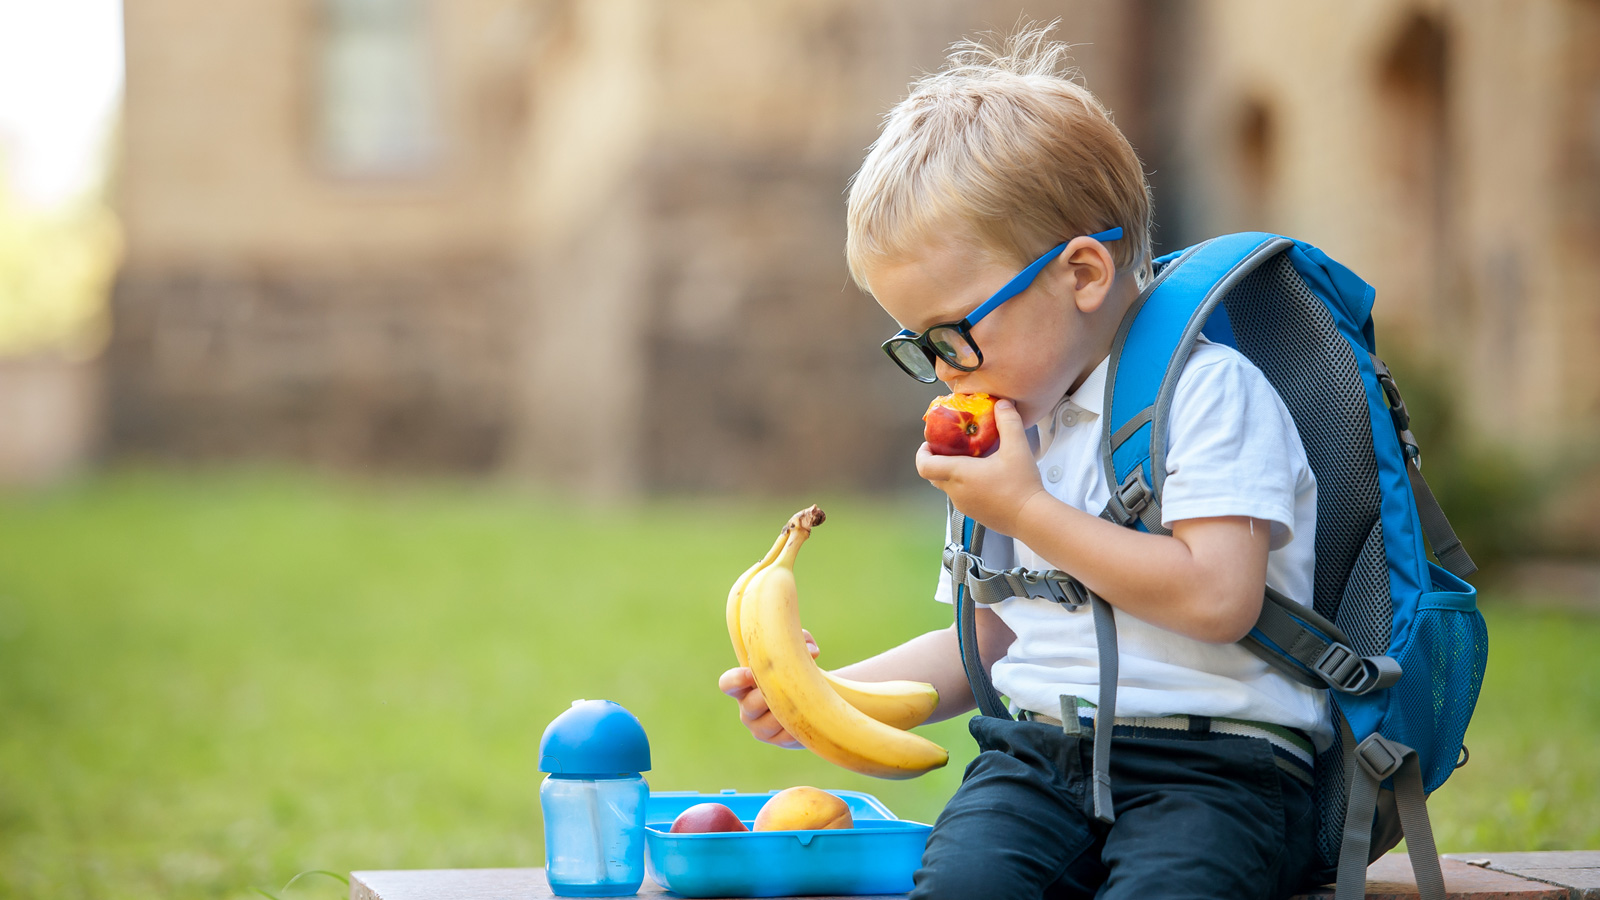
(318, 204)
(601, 242)
(1447, 150)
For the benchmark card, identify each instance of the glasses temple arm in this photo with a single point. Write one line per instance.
(1024, 278)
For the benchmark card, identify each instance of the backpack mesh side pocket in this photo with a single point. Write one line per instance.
(1444, 663)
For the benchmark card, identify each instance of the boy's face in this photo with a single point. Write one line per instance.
(1034, 346)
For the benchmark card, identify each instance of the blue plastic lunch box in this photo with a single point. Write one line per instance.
(877, 856)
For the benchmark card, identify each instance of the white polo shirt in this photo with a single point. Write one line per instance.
(1233, 451)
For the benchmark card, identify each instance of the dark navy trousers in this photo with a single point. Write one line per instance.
(1198, 816)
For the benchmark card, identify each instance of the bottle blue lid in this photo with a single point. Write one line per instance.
(594, 737)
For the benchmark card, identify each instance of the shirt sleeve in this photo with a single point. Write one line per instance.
(1234, 449)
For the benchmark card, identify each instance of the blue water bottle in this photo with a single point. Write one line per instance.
(593, 800)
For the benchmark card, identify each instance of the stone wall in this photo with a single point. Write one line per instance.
(764, 360)
(273, 306)
(687, 243)
(1447, 151)
(407, 366)
(623, 271)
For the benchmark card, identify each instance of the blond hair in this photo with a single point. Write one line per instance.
(1004, 144)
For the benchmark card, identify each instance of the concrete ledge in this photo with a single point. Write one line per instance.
(1390, 878)
(1489, 876)
(480, 884)
(1576, 870)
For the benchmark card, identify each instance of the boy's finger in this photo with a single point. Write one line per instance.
(768, 730)
(1009, 423)
(752, 706)
(771, 731)
(811, 643)
(933, 467)
(736, 682)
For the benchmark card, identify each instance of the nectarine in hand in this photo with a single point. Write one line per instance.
(961, 425)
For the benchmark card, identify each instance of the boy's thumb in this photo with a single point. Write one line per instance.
(1008, 421)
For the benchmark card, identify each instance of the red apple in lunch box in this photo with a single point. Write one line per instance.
(961, 425)
(703, 818)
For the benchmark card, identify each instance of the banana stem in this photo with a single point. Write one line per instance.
(799, 529)
(804, 520)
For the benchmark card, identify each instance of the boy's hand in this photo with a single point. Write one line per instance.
(992, 489)
(740, 684)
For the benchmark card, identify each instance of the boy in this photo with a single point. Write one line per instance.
(992, 163)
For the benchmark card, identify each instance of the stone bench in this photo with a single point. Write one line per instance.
(1467, 876)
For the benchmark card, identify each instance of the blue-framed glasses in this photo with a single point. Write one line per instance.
(952, 342)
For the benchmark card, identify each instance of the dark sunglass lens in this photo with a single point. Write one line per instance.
(953, 346)
(911, 358)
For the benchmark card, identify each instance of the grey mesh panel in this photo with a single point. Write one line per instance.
(1331, 795)
(1286, 331)
(1366, 614)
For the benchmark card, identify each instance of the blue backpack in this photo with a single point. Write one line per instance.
(1396, 639)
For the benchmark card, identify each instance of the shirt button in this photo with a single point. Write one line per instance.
(1069, 420)
(1054, 473)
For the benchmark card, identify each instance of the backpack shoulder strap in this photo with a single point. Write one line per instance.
(1147, 356)
(966, 543)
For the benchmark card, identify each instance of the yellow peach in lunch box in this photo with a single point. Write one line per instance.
(803, 809)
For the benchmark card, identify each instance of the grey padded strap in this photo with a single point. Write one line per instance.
(1133, 501)
(1413, 806)
(1132, 425)
(1442, 538)
(1296, 642)
(1150, 516)
(986, 586)
(1322, 648)
(1367, 766)
(983, 692)
(1105, 717)
(990, 586)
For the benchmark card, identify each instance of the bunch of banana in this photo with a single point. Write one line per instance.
(857, 725)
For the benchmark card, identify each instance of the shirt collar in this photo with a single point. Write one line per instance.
(1091, 395)
(1089, 398)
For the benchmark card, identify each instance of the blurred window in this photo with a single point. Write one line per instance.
(375, 101)
(1418, 162)
(1583, 121)
(1258, 164)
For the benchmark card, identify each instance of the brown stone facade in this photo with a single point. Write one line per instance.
(763, 355)
(614, 264)
(407, 366)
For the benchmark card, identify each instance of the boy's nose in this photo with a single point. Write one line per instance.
(946, 372)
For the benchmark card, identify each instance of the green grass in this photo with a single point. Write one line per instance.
(1533, 780)
(210, 683)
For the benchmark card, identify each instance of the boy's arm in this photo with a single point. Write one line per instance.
(933, 657)
(1204, 582)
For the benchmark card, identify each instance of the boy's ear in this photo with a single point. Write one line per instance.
(1088, 269)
